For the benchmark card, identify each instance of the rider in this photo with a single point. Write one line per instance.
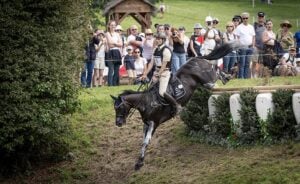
(162, 60)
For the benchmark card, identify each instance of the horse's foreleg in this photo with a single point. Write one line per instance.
(147, 137)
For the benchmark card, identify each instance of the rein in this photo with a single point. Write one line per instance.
(144, 86)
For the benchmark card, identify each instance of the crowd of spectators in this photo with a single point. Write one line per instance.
(262, 50)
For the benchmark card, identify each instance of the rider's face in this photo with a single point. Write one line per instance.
(159, 41)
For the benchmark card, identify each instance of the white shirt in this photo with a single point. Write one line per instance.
(101, 51)
(245, 34)
(139, 65)
(291, 61)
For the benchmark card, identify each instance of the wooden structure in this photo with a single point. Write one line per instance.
(140, 10)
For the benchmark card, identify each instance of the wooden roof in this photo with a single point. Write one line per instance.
(112, 4)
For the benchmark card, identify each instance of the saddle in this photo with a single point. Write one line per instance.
(175, 88)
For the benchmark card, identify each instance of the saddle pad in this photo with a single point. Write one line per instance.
(176, 88)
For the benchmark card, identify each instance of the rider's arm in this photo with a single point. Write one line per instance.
(148, 68)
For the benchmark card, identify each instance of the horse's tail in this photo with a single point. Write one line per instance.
(221, 51)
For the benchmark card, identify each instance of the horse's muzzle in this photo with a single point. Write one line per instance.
(120, 122)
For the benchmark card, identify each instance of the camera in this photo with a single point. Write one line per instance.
(173, 34)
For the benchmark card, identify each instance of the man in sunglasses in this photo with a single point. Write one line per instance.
(259, 27)
(246, 35)
(134, 39)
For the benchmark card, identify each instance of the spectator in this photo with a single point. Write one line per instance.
(259, 28)
(169, 35)
(246, 36)
(133, 39)
(129, 65)
(284, 36)
(298, 66)
(237, 20)
(162, 9)
(148, 46)
(113, 57)
(297, 41)
(119, 30)
(160, 29)
(230, 59)
(196, 41)
(140, 64)
(178, 56)
(210, 37)
(219, 40)
(99, 62)
(186, 39)
(287, 65)
(90, 57)
(268, 38)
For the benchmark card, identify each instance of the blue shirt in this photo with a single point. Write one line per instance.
(297, 37)
(129, 62)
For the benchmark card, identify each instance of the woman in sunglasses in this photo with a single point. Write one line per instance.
(284, 36)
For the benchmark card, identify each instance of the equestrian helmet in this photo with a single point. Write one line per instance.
(161, 35)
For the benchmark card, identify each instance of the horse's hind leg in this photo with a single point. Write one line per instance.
(148, 130)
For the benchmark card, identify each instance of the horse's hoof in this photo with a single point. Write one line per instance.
(138, 166)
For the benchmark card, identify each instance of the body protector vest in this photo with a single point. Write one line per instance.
(158, 56)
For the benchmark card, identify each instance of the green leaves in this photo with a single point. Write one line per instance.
(41, 46)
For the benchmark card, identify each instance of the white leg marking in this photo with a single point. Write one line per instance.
(147, 138)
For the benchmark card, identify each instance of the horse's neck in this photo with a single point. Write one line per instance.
(134, 100)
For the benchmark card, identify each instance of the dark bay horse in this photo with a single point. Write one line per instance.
(198, 70)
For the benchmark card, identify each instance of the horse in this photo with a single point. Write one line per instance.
(197, 70)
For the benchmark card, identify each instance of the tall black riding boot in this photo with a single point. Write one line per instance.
(171, 100)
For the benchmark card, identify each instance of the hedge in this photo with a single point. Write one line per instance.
(41, 48)
(280, 125)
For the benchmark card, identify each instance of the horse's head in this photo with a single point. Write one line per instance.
(122, 109)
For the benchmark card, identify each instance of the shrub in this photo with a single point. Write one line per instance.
(281, 123)
(250, 130)
(219, 128)
(41, 44)
(195, 115)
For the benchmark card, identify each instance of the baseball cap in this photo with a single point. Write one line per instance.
(260, 14)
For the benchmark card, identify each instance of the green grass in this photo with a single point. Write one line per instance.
(104, 153)
(187, 13)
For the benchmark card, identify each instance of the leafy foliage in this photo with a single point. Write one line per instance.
(41, 46)
(281, 123)
(250, 131)
(196, 114)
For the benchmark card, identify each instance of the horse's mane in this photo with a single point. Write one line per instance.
(129, 92)
(220, 52)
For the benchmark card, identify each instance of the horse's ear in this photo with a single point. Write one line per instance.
(113, 97)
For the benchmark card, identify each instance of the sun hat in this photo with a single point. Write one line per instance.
(292, 48)
(208, 19)
(119, 27)
(198, 26)
(286, 22)
(148, 31)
